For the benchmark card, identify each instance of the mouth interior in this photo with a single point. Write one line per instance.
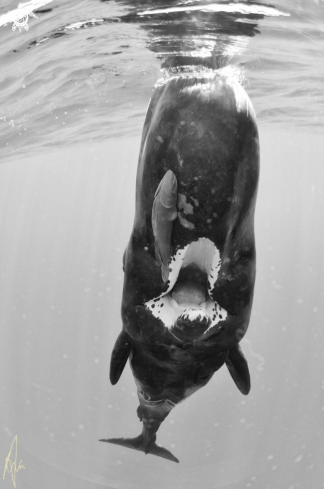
(193, 273)
(191, 288)
(189, 293)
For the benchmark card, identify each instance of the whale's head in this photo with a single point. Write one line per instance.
(190, 270)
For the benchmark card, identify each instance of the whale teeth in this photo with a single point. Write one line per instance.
(183, 293)
(164, 212)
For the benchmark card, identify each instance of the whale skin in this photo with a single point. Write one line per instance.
(189, 266)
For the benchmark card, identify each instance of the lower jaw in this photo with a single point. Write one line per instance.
(189, 322)
(187, 331)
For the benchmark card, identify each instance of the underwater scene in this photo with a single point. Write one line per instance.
(160, 247)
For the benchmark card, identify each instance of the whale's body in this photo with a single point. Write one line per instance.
(190, 261)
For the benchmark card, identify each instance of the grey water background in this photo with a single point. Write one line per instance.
(74, 90)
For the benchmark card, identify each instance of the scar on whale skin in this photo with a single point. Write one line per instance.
(183, 205)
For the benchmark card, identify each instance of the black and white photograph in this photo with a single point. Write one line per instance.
(161, 252)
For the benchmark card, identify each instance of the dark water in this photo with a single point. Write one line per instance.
(73, 101)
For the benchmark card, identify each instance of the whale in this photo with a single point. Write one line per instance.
(190, 263)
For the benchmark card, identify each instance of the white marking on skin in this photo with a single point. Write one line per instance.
(170, 311)
(214, 269)
(185, 223)
(179, 158)
(205, 255)
(193, 314)
(195, 201)
(219, 313)
(184, 205)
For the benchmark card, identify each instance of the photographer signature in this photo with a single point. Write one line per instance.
(11, 465)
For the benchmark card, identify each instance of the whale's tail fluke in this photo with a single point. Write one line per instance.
(139, 443)
(151, 414)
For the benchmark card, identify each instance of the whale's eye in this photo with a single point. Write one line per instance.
(203, 377)
(145, 396)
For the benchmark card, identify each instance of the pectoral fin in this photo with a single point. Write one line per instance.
(239, 370)
(119, 356)
(164, 212)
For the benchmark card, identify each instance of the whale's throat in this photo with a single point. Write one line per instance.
(189, 292)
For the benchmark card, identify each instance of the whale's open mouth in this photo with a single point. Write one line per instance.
(187, 308)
